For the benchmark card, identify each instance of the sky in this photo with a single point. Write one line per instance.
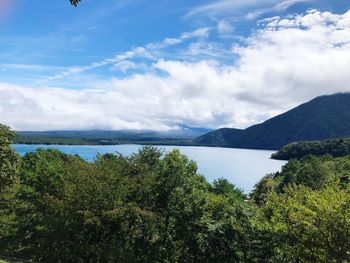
(165, 64)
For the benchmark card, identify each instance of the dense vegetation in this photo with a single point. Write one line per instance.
(297, 150)
(154, 207)
(322, 118)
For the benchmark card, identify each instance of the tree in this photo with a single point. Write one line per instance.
(74, 2)
(9, 160)
(148, 207)
(309, 225)
(9, 166)
(222, 186)
(269, 183)
(154, 207)
(60, 206)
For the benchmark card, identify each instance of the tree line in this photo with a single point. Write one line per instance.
(153, 206)
(334, 147)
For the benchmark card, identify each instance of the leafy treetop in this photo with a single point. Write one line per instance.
(74, 2)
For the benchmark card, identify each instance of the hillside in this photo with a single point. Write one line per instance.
(324, 117)
(297, 150)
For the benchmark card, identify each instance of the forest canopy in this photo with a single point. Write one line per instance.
(153, 206)
(334, 147)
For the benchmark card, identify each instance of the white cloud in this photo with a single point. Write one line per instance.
(224, 28)
(277, 7)
(224, 6)
(205, 49)
(287, 62)
(199, 33)
(143, 52)
(126, 65)
(254, 8)
(30, 67)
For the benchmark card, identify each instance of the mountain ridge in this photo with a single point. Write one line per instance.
(323, 117)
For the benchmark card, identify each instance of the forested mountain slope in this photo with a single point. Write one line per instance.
(322, 118)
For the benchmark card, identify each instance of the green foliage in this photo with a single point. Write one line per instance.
(305, 211)
(266, 185)
(310, 226)
(298, 150)
(153, 207)
(9, 160)
(74, 2)
(223, 187)
(9, 165)
(310, 171)
(148, 207)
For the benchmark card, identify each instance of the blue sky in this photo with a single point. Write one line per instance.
(136, 64)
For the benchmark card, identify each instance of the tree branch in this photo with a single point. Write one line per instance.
(74, 2)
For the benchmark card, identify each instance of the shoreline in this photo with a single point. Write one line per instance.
(143, 144)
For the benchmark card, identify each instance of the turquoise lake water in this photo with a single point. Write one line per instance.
(242, 167)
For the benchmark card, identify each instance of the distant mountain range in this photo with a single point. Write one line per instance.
(182, 136)
(322, 118)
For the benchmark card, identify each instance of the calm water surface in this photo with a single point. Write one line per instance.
(242, 167)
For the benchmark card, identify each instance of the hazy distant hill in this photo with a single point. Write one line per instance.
(181, 136)
(322, 118)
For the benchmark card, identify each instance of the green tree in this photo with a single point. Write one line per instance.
(9, 159)
(155, 207)
(264, 187)
(222, 186)
(9, 166)
(310, 226)
(74, 2)
(60, 205)
(148, 207)
(179, 194)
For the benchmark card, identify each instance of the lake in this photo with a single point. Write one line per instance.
(242, 167)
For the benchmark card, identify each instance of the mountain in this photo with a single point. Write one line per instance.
(322, 118)
(181, 136)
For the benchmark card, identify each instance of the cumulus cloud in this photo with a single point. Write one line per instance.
(286, 62)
